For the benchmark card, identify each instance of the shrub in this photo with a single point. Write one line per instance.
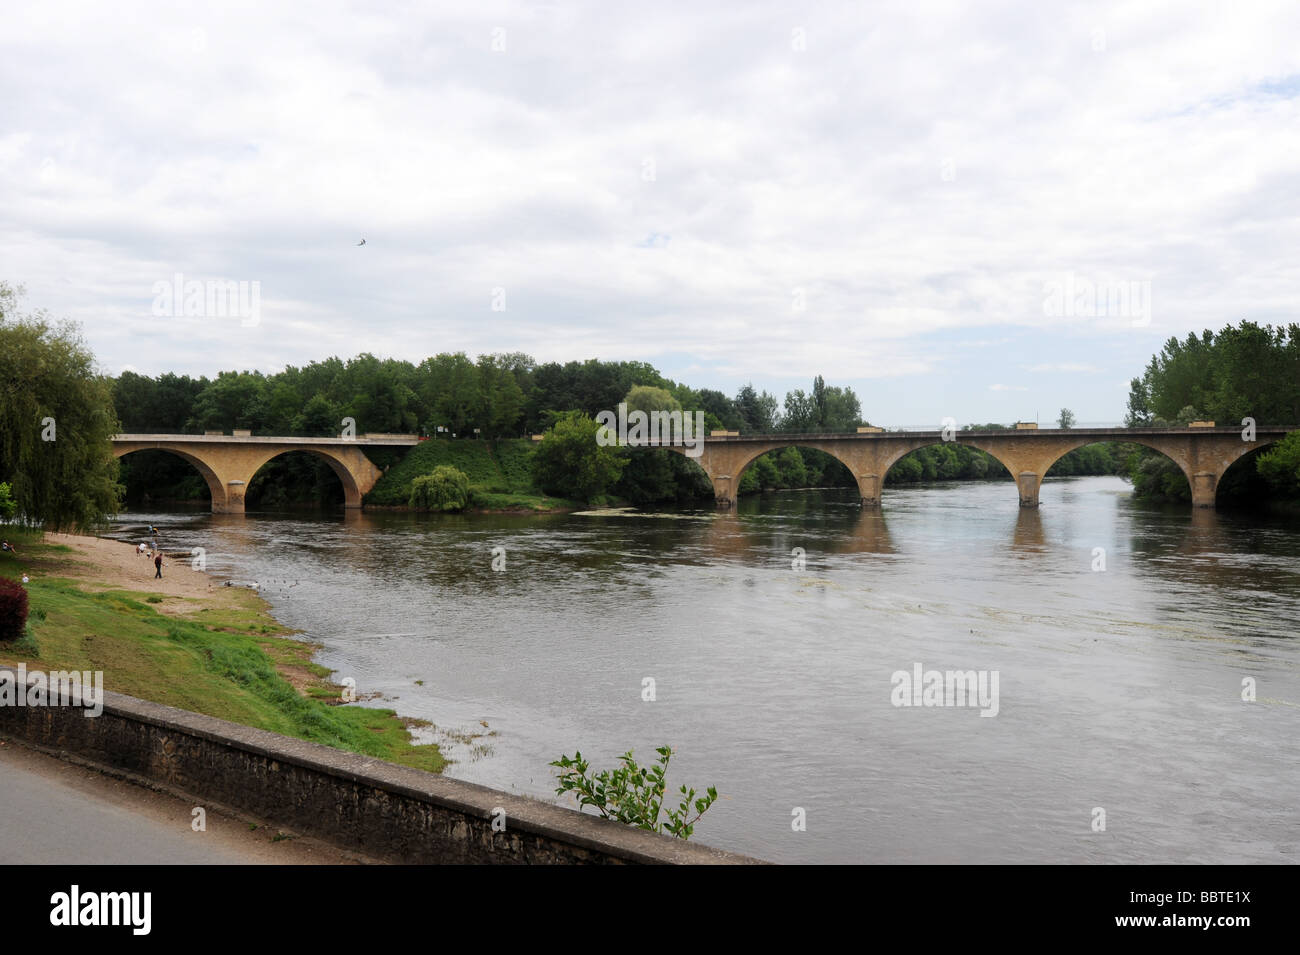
(1280, 465)
(446, 489)
(13, 609)
(633, 794)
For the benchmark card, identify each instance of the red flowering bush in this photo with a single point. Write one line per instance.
(13, 609)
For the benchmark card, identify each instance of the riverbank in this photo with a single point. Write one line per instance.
(187, 641)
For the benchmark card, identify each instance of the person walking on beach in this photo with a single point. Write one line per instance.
(157, 562)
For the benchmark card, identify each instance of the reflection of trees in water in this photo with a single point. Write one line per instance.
(1233, 552)
(812, 520)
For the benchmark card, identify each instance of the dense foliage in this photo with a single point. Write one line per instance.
(58, 416)
(1239, 372)
(1280, 465)
(569, 461)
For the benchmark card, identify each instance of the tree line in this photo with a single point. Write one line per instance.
(497, 395)
(1243, 371)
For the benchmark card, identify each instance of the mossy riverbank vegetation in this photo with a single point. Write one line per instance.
(186, 641)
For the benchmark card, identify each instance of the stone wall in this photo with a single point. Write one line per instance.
(383, 810)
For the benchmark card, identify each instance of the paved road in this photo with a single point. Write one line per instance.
(55, 812)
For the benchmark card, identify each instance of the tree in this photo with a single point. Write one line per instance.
(8, 506)
(722, 408)
(58, 415)
(1066, 419)
(800, 413)
(1139, 404)
(444, 489)
(456, 396)
(790, 465)
(231, 401)
(503, 399)
(757, 411)
(319, 418)
(648, 398)
(826, 409)
(570, 462)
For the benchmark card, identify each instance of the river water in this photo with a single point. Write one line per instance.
(1120, 672)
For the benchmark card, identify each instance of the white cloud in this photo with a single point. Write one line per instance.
(1065, 367)
(919, 172)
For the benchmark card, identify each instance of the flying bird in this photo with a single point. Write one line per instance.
(362, 242)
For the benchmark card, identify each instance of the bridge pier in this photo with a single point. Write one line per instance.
(234, 502)
(869, 489)
(1204, 487)
(722, 495)
(1029, 484)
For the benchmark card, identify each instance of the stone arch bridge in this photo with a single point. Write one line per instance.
(1204, 454)
(228, 462)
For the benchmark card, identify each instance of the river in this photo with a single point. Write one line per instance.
(1119, 672)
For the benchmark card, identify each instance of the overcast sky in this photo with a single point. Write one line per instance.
(895, 196)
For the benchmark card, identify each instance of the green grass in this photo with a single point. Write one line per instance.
(515, 458)
(229, 662)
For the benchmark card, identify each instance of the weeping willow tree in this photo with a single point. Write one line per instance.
(56, 419)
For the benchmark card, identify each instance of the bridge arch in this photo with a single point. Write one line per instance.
(747, 461)
(352, 492)
(215, 486)
(892, 460)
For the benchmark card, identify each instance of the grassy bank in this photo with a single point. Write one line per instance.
(499, 472)
(219, 653)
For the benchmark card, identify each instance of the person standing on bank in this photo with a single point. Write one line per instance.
(157, 562)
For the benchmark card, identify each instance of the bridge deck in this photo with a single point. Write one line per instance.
(399, 440)
(1109, 434)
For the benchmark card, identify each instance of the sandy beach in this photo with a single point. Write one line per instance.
(101, 564)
